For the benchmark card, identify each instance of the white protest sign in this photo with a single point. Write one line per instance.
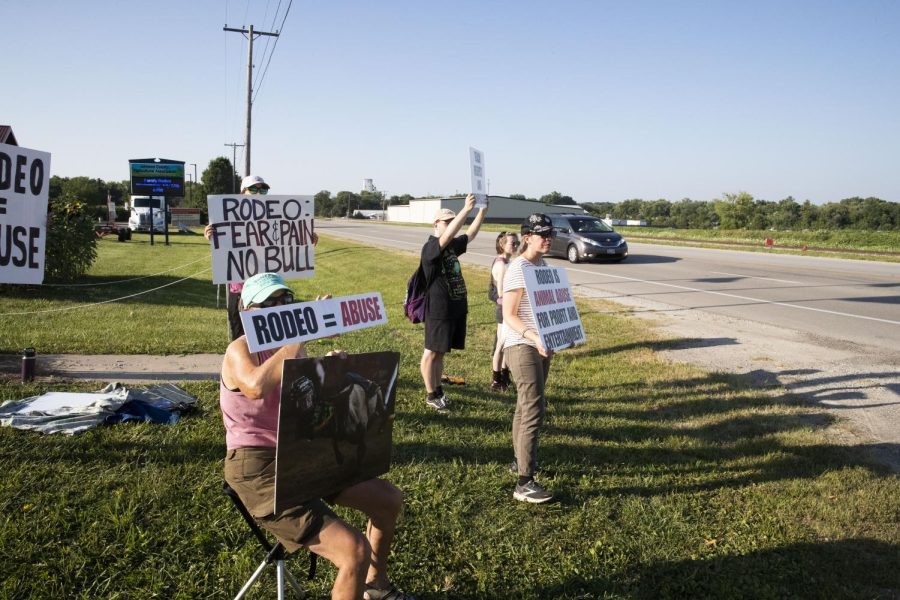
(476, 162)
(559, 324)
(24, 189)
(261, 234)
(291, 323)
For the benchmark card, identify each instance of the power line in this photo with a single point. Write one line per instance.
(251, 35)
(275, 45)
(265, 51)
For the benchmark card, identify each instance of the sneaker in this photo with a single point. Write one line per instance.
(439, 404)
(532, 492)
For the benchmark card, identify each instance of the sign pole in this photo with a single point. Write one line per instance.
(151, 220)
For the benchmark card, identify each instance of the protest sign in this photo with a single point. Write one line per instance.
(335, 422)
(24, 189)
(291, 323)
(476, 162)
(555, 313)
(261, 234)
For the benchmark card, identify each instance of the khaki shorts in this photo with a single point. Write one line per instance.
(251, 473)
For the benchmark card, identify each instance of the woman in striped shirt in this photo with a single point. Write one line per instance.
(528, 359)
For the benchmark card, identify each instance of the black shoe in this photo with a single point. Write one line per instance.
(505, 378)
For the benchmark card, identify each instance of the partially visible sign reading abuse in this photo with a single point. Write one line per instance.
(555, 313)
(261, 234)
(24, 189)
(281, 325)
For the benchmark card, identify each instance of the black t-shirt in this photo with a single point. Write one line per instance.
(447, 289)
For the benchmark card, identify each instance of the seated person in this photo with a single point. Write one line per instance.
(249, 395)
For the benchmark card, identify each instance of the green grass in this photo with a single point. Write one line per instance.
(868, 245)
(671, 482)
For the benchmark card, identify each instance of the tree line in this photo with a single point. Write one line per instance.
(731, 211)
(743, 211)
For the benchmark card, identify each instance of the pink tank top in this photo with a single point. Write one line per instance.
(250, 422)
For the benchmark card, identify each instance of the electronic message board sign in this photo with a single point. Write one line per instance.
(157, 177)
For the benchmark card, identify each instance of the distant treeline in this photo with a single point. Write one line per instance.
(732, 211)
(743, 211)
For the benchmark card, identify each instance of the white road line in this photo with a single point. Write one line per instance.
(753, 277)
(738, 297)
(686, 288)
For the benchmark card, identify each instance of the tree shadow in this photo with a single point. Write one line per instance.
(826, 569)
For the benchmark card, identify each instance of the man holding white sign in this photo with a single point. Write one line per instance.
(24, 189)
(528, 352)
(233, 257)
(250, 398)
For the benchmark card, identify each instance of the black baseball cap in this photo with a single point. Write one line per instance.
(537, 223)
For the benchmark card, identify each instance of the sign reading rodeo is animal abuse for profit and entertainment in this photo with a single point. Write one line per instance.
(278, 326)
(559, 324)
(261, 234)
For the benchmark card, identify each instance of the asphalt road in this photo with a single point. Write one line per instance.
(825, 328)
(849, 300)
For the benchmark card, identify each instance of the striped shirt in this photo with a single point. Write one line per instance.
(514, 280)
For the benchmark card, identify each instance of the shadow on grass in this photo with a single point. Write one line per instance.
(190, 293)
(695, 434)
(802, 570)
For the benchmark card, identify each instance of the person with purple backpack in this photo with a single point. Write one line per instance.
(446, 304)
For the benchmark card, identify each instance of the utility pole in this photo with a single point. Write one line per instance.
(250, 36)
(234, 148)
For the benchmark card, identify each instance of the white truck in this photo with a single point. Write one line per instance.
(139, 219)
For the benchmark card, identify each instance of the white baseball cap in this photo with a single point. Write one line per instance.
(251, 180)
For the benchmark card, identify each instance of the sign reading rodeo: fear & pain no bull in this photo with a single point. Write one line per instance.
(304, 321)
(261, 234)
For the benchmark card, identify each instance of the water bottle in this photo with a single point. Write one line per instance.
(28, 362)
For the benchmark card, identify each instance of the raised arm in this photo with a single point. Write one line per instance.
(472, 231)
(454, 226)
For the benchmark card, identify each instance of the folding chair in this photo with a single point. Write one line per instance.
(274, 554)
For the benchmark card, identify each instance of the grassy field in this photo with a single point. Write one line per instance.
(867, 245)
(671, 482)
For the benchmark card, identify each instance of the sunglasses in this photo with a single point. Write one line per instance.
(255, 189)
(502, 234)
(545, 234)
(286, 298)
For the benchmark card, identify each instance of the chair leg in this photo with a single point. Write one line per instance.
(251, 581)
(294, 584)
(279, 576)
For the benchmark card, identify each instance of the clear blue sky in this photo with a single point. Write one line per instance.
(599, 100)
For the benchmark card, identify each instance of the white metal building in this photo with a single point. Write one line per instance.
(501, 209)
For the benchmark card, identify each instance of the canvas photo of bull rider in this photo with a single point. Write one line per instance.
(334, 424)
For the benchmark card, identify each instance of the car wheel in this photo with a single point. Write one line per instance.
(572, 254)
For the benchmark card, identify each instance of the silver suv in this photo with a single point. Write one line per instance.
(581, 237)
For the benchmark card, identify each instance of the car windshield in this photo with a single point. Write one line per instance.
(589, 226)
